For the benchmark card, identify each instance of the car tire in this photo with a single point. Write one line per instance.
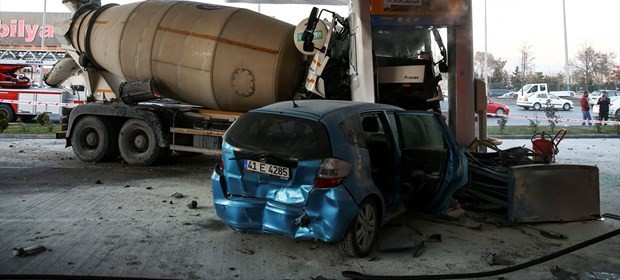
(9, 112)
(362, 232)
(536, 106)
(566, 107)
(500, 112)
(138, 143)
(93, 140)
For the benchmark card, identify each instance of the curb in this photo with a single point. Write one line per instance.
(28, 136)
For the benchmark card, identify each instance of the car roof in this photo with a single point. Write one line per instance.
(317, 109)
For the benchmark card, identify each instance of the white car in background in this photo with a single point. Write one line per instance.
(614, 107)
(593, 97)
(538, 101)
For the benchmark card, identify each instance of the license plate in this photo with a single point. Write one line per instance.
(266, 168)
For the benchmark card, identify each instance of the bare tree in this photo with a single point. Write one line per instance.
(495, 68)
(592, 66)
(527, 60)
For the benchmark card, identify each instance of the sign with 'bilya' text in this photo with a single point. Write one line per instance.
(27, 29)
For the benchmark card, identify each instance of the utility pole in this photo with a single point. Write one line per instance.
(566, 66)
(42, 45)
(486, 71)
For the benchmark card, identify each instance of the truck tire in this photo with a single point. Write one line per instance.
(536, 106)
(362, 232)
(93, 140)
(9, 112)
(138, 143)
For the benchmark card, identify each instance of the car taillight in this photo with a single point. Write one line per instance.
(220, 166)
(525, 99)
(331, 172)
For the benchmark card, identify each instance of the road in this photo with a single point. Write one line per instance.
(112, 219)
(517, 116)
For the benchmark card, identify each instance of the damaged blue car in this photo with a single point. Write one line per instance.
(334, 170)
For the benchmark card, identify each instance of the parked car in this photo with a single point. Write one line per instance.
(334, 170)
(538, 100)
(565, 93)
(614, 107)
(509, 95)
(494, 92)
(593, 97)
(496, 108)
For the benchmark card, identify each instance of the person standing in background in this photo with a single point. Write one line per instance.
(585, 108)
(603, 107)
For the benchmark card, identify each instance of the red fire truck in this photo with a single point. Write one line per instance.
(19, 99)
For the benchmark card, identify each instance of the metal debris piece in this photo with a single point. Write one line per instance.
(434, 238)
(149, 188)
(548, 233)
(177, 195)
(417, 251)
(193, 205)
(126, 186)
(99, 182)
(28, 251)
(245, 251)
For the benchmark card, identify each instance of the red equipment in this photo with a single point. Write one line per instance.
(546, 147)
(9, 78)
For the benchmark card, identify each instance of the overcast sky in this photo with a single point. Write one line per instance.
(510, 23)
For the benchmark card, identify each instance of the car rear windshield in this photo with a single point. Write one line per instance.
(280, 135)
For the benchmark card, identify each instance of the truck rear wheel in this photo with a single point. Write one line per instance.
(9, 112)
(138, 143)
(93, 140)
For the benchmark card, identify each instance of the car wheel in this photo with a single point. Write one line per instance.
(618, 115)
(536, 106)
(362, 231)
(566, 107)
(500, 112)
(9, 112)
(93, 141)
(138, 143)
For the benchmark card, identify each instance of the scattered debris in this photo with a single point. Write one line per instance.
(495, 259)
(99, 182)
(149, 188)
(171, 202)
(548, 233)
(415, 229)
(434, 238)
(187, 224)
(245, 251)
(11, 146)
(417, 251)
(394, 238)
(126, 186)
(70, 263)
(313, 247)
(318, 278)
(374, 259)
(559, 273)
(28, 251)
(177, 195)
(21, 151)
(193, 205)
(164, 201)
(232, 269)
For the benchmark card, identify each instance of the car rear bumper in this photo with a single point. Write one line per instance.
(325, 216)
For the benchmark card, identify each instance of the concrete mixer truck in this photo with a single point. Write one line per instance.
(172, 75)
